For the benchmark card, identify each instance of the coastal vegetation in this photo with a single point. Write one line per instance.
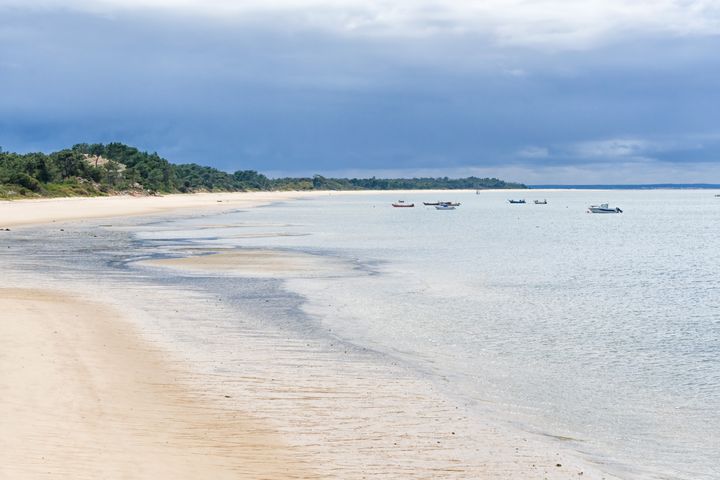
(98, 169)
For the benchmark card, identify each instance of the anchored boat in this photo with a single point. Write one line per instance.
(603, 208)
(522, 200)
(433, 204)
(402, 204)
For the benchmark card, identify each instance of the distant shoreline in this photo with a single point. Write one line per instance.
(636, 186)
(39, 211)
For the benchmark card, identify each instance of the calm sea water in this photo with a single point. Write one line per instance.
(600, 330)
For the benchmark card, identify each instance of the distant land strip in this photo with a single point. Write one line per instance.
(115, 168)
(637, 186)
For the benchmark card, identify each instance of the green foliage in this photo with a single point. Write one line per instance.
(252, 180)
(97, 169)
(426, 183)
(73, 188)
(25, 180)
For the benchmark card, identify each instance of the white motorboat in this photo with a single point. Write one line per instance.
(603, 208)
(445, 206)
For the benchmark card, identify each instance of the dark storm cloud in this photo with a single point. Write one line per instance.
(271, 95)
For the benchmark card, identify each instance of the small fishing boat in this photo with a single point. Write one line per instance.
(540, 202)
(445, 206)
(603, 208)
(402, 204)
(433, 204)
(522, 200)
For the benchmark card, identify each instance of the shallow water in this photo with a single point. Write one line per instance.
(600, 330)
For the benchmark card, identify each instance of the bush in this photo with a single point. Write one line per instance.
(26, 181)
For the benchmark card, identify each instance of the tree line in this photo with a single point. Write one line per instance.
(99, 169)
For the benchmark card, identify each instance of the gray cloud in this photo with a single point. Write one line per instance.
(558, 24)
(273, 93)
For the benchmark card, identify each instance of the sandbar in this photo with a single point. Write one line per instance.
(256, 263)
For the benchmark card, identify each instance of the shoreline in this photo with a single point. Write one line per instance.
(408, 408)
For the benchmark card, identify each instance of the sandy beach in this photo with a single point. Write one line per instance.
(86, 393)
(84, 397)
(42, 211)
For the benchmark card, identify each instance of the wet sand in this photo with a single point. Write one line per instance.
(82, 396)
(255, 263)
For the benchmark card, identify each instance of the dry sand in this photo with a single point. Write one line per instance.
(83, 396)
(35, 212)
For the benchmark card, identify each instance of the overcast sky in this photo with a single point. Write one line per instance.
(537, 91)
